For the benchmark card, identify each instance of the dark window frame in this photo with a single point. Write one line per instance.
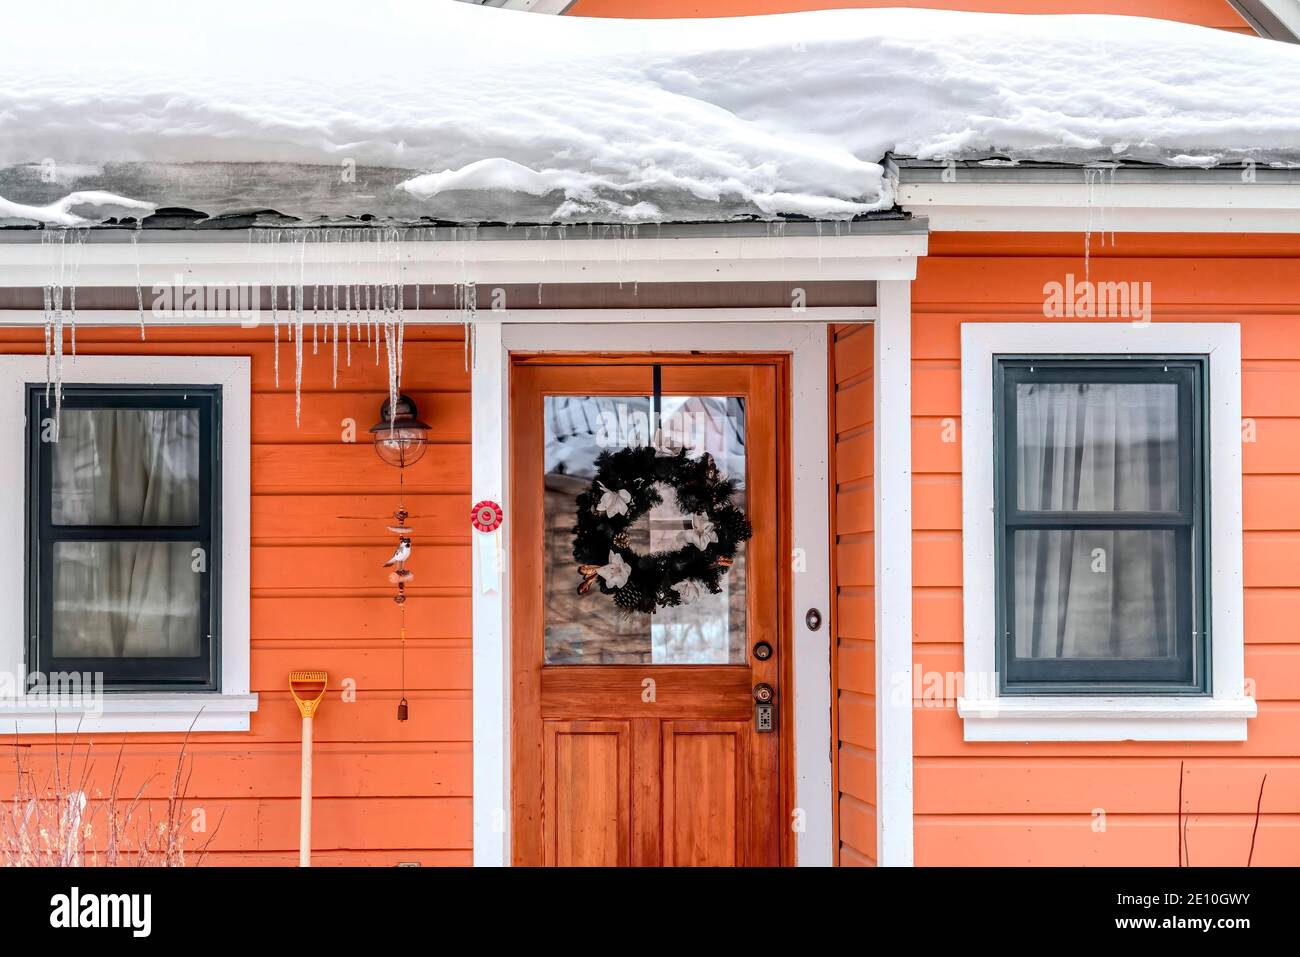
(1188, 672)
(201, 673)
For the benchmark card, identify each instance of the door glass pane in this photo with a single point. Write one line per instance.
(1093, 593)
(126, 467)
(127, 599)
(1097, 446)
(591, 628)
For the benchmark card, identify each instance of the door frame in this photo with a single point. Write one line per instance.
(808, 492)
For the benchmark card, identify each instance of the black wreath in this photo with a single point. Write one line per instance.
(698, 487)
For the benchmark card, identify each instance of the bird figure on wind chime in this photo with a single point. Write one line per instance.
(400, 440)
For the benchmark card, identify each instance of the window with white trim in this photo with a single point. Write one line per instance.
(1101, 483)
(124, 587)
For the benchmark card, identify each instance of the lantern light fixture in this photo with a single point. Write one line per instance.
(401, 439)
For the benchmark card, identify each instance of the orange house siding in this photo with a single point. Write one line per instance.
(384, 791)
(1206, 13)
(1008, 803)
(853, 516)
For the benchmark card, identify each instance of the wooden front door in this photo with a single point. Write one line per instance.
(634, 738)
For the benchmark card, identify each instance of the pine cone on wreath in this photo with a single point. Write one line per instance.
(629, 597)
(733, 526)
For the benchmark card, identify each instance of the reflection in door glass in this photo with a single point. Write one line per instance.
(590, 628)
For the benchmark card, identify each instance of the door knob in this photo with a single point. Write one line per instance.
(764, 720)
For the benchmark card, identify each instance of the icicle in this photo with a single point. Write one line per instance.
(315, 316)
(1097, 180)
(47, 300)
(52, 302)
(81, 236)
(348, 329)
(139, 287)
(275, 325)
(335, 310)
(297, 331)
(1089, 176)
(469, 303)
(334, 314)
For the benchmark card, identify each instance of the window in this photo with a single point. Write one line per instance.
(1101, 532)
(1101, 519)
(124, 547)
(123, 500)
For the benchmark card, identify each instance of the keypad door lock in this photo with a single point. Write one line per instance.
(764, 721)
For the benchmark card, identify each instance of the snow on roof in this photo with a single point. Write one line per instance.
(408, 109)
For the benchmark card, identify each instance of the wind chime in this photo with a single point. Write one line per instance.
(400, 440)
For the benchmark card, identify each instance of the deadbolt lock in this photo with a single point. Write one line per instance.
(762, 651)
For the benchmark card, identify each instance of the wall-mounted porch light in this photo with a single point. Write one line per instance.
(400, 437)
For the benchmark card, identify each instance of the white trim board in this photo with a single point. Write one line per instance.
(452, 261)
(36, 318)
(987, 717)
(892, 427)
(1104, 207)
(807, 344)
(227, 710)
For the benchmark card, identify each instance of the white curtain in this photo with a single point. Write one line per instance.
(1096, 447)
(127, 599)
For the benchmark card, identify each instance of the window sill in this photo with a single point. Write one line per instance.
(162, 712)
(1049, 718)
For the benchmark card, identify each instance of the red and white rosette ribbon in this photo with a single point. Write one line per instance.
(486, 516)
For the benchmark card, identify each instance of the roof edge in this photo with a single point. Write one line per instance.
(1273, 19)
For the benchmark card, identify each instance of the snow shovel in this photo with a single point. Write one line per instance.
(307, 688)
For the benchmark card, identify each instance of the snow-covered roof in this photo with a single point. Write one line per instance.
(401, 109)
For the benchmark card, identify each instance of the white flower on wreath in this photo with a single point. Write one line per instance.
(701, 533)
(617, 572)
(690, 591)
(613, 502)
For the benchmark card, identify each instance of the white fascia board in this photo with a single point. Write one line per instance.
(485, 262)
(1105, 207)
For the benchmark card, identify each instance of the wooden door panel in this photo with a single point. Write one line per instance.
(587, 814)
(715, 692)
(705, 788)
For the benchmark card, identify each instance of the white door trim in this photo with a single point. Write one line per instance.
(893, 580)
(807, 344)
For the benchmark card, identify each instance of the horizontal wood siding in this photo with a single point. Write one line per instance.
(855, 650)
(1077, 803)
(384, 791)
